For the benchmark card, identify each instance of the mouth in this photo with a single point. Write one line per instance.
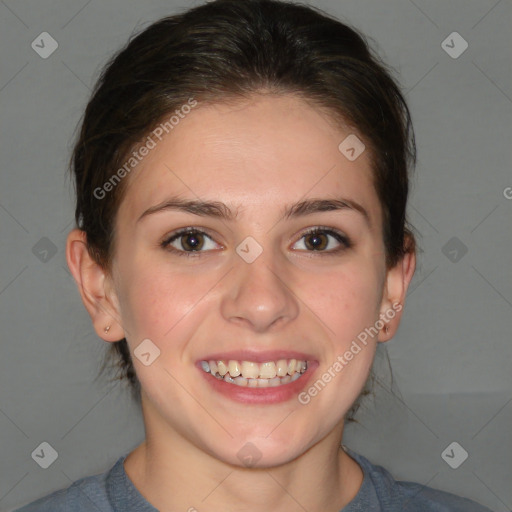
(257, 378)
(256, 375)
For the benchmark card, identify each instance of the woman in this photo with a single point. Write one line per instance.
(242, 180)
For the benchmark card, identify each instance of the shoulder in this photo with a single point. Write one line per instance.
(89, 493)
(391, 495)
(417, 497)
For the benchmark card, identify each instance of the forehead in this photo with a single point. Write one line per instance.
(255, 153)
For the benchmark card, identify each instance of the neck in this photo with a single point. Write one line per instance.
(174, 474)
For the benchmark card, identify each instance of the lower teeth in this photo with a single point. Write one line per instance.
(258, 383)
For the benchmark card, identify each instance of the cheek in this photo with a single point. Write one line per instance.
(160, 304)
(151, 298)
(346, 300)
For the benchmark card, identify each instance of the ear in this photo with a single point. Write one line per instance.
(95, 287)
(394, 292)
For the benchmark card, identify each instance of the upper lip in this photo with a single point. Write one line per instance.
(256, 356)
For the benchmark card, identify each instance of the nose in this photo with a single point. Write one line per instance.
(258, 295)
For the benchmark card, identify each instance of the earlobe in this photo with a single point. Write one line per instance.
(91, 279)
(397, 283)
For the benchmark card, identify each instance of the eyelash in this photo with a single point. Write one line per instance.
(341, 238)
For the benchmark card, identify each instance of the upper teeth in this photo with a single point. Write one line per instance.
(252, 370)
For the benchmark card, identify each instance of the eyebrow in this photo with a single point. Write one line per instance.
(220, 210)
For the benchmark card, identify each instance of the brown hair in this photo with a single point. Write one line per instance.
(229, 49)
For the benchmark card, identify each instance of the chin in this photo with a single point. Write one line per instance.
(260, 452)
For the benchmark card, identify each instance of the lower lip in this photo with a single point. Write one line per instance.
(269, 395)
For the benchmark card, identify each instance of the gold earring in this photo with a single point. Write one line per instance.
(106, 329)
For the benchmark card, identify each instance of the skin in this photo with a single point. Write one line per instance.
(256, 156)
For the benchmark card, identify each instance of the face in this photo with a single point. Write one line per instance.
(256, 280)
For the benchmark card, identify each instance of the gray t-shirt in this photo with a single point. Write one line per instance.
(113, 491)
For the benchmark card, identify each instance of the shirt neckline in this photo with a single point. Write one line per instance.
(124, 496)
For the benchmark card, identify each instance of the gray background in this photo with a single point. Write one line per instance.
(452, 356)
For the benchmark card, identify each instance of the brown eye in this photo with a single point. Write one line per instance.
(188, 241)
(325, 240)
(316, 241)
(192, 241)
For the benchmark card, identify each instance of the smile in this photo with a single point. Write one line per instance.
(256, 375)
